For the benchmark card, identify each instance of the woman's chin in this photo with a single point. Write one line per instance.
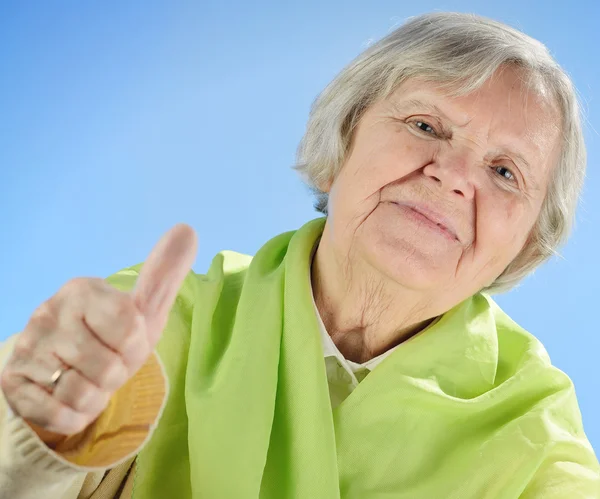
(408, 266)
(407, 253)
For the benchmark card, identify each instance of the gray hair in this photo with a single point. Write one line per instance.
(459, 52)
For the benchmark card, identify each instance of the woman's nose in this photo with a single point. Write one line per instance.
(452, 174)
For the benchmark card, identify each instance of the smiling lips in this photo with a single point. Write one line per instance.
(432, 217)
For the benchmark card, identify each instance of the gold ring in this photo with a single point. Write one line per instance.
(54, 379)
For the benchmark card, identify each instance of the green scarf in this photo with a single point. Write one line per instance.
(471, 408)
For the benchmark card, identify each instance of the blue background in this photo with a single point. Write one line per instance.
(120, 119)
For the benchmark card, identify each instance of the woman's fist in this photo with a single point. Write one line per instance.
(93, 338)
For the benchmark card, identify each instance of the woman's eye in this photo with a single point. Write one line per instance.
(425, 127)
(504, 172)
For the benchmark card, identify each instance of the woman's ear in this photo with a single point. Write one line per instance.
(325, 185)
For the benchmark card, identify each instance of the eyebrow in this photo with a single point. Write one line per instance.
(412, 103)
(516, 155)
(427, 105)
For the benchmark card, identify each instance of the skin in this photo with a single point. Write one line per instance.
(483, 161)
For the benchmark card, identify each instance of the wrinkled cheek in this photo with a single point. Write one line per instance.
(358, 188)
(349, 203)
(392, 164)
(502, 241)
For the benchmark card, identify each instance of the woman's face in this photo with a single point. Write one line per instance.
(440, 194)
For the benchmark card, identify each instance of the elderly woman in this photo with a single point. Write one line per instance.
(359, 356)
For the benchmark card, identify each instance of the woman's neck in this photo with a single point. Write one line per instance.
(364, 315)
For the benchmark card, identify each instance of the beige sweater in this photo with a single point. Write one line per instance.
(98, 463)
